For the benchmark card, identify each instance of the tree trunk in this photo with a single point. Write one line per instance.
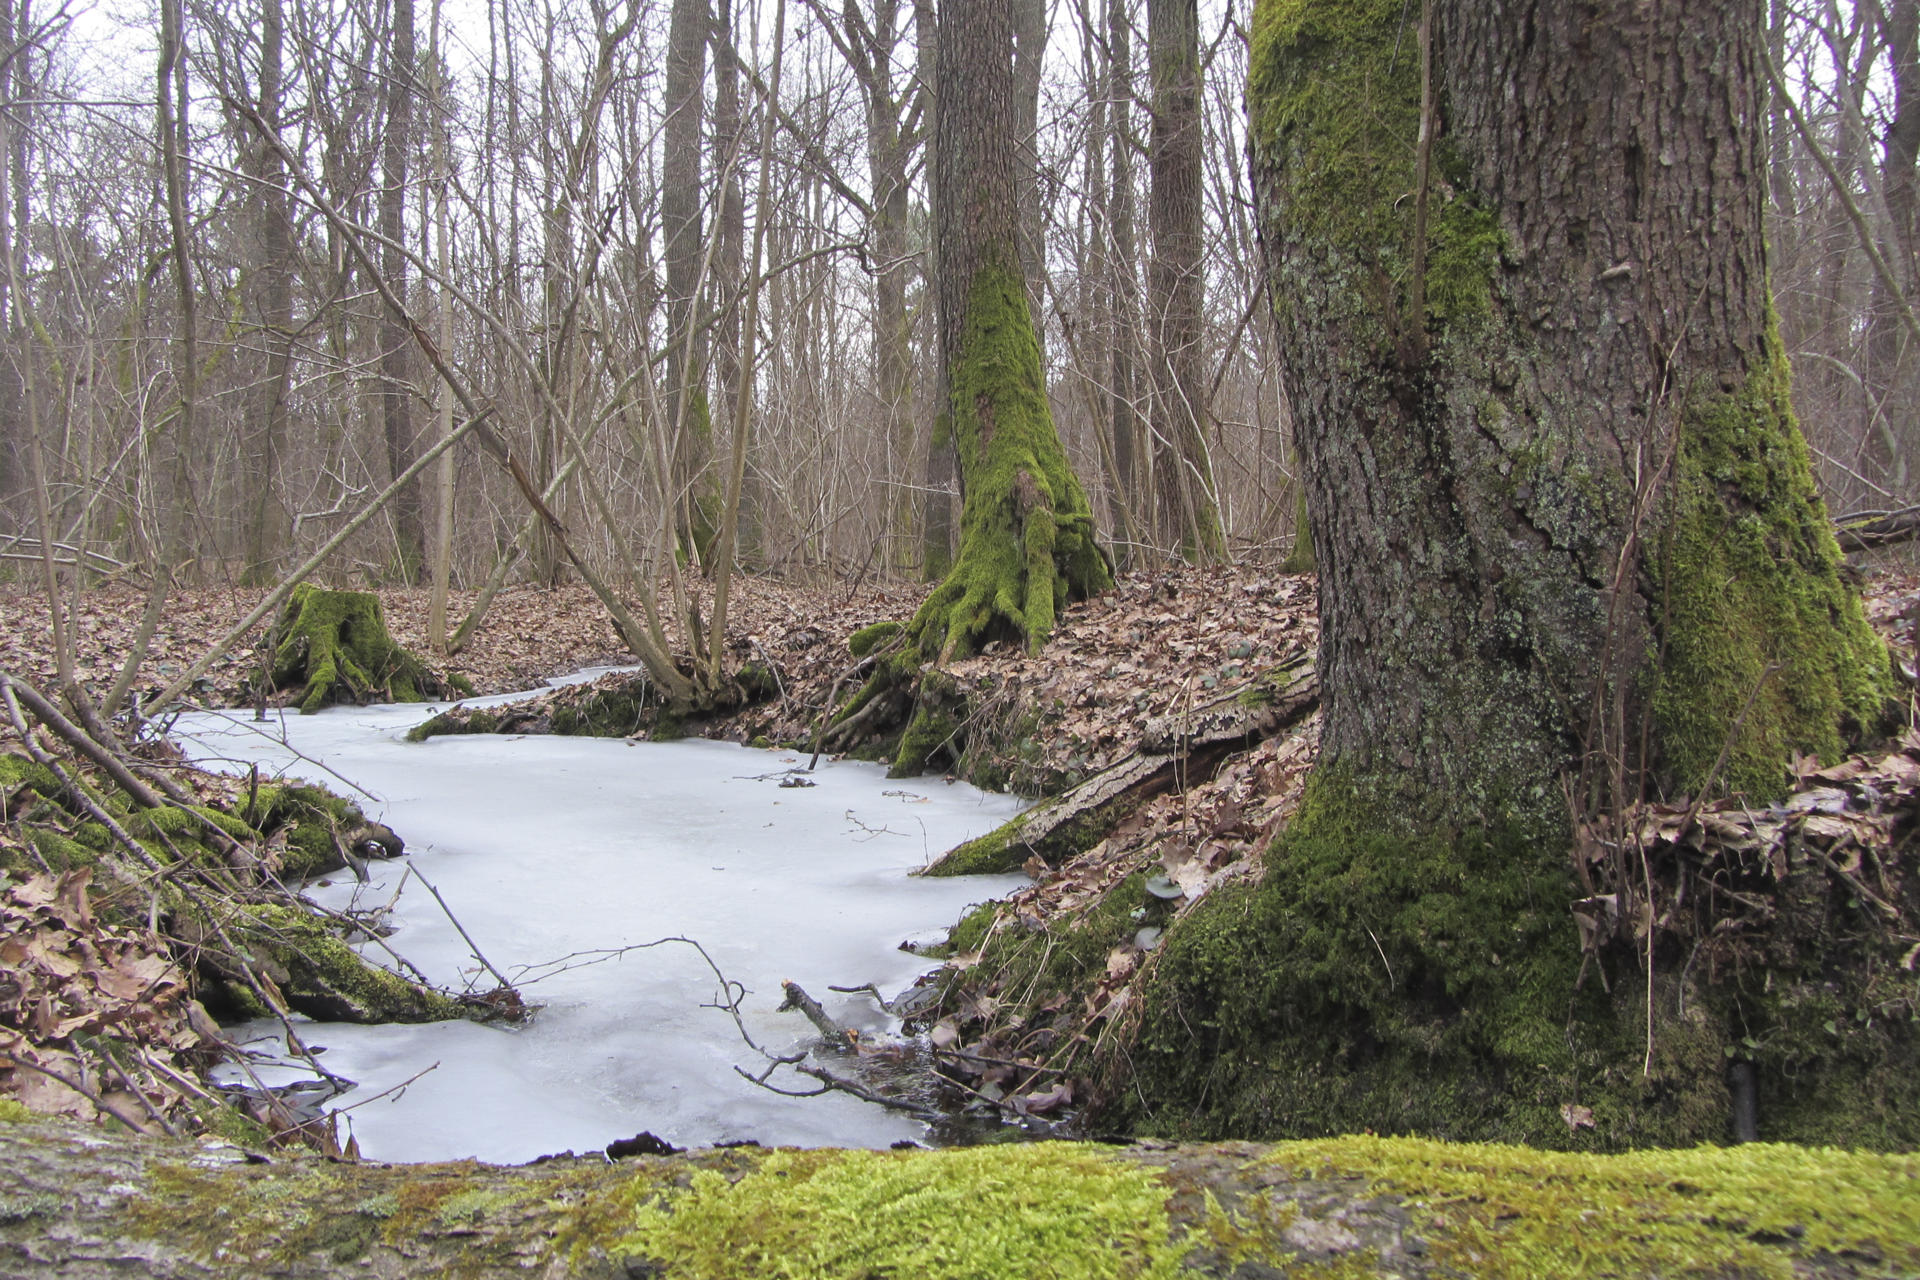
(1029, 66)
(1121, 265)
(396, 396)
(687, 409)
(1187, 516)
(730, 223)
(1026, 532)
(1569, 548)
(270, 284)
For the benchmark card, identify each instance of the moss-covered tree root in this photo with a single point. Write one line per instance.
(1351, 1207)
(1394, 975)
(333, 646)
(1181, 749)
(1026, 530)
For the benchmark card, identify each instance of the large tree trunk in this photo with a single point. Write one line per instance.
(1570, 548)
(687, 409)
(1186, 515)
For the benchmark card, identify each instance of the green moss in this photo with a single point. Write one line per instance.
(1500, 1211)
(60, 852)
(12, 1112)
(1026, 531)
(325, 978)
(992, 1212)
(1334, 97)
(312, 818)
(1007, 848)
(867, 639)
(1389, 974)
(17, 771)
(334, 647)
(996, 851)
(1031, 966)
(1754, 603)
(936, 728)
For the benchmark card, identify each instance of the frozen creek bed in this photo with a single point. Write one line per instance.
(548, 848)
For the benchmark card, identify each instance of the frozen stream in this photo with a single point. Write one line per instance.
(545, 847)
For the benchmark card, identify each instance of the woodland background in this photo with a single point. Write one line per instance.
(563, 198)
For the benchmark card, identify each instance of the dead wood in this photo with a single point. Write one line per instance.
(1865, 530)
(1176, 750)
(80, 1206)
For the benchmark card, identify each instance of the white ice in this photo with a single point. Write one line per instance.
(544, 847)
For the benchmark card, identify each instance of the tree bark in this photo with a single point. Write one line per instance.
(1122, 267)
(1187, 517)
(1571, 555)
(396, 395)
(687, 408)
(270, 286)
(1026, 539)
(1026, 532)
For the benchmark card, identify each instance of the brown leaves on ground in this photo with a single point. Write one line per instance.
(91, 1016)
(528, 634)
(1155, 645)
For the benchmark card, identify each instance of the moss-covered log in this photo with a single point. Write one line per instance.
(75, 1204)
(1571, 556)
(333, 646)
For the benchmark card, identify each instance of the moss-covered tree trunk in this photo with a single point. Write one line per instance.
(333, 646)
(1569, 547)
(1026, 531)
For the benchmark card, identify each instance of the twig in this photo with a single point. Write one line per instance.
(832, 1032)
(472, 946)
(79, 740)
(78, 1088)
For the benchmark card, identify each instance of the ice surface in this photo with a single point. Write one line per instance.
(545, 847)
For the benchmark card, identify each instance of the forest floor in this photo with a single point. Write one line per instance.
(1162, 647)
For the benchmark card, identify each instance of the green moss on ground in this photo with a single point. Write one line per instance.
(1756, 607)
(1391, 975)
(1053, 1210)
(333, 646)
(1005, 849)
(313, 819)
(867, 639)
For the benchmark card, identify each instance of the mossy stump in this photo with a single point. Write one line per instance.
(333, 646)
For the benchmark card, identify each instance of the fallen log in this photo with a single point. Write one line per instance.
(1176, 750)
(76, 1203)
(1865, 530)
